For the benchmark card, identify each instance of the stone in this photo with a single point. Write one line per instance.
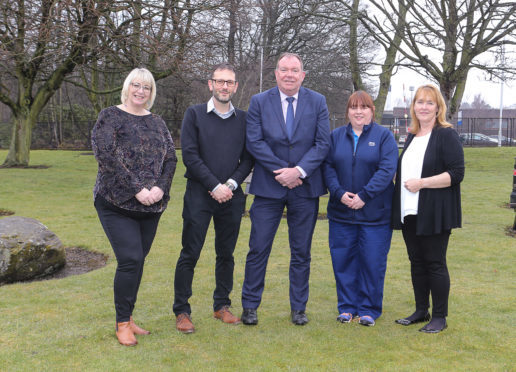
(28, 250)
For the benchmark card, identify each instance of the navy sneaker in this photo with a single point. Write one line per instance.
(345, 317)
(366, 320)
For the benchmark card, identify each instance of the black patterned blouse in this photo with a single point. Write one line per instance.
(133, 152)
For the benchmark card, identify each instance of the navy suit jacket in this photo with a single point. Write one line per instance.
(268, 142)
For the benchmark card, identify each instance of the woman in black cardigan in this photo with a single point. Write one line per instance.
(426, 204)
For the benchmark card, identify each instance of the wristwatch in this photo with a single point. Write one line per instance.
(230, 186)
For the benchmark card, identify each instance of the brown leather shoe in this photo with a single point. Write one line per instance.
(137, 330)
(226, 316)
(184, 323)
(125, 335)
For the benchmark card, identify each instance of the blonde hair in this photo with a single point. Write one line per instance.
(145, 76)
(435, 95)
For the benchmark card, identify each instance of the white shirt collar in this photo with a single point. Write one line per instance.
(284, 96)
(211, 107)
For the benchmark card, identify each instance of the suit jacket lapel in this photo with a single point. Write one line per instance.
(301, 104)
(275, 100)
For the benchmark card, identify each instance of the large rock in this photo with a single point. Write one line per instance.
(28, 250)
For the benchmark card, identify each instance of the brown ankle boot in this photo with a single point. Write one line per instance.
(125, 335)
(137, 330)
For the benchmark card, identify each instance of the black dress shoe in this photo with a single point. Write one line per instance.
(436, 325)
(413, 320)
(299, 317)
(249, 317)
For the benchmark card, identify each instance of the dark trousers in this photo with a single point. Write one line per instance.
(131, 234)
(198, 210)
(427, 255)
(265, 216)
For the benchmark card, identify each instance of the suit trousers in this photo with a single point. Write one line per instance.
(427, 255)
(131, 234)
(198, 210)
(359, 258)
(266, 214)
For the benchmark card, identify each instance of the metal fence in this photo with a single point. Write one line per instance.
(77, 134)
(66, 134)
(473, 131)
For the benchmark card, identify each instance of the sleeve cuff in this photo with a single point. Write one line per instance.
(301, 170)
(233, 182)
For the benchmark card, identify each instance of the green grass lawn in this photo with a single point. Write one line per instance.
(68, 324)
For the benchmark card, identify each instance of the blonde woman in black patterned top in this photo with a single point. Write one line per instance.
(136, 163)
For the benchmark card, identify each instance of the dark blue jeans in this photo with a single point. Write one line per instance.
(131, 234)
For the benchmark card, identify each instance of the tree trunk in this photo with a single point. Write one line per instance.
(233, 25)
(19, 150)
(390, 61)
(353, 48)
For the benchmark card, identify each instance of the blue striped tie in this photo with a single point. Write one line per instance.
(290, 117)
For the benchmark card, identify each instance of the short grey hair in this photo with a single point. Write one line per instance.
(289, 55)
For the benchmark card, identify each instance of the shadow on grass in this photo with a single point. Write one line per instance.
(5, 212)
(509, 231)
(40, 166)
(320, 216)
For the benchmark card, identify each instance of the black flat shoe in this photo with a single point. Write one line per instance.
(435, 326)
(299, 317)
(408, 321)
(249, 317)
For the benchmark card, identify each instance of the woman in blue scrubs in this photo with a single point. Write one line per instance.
(359, 172)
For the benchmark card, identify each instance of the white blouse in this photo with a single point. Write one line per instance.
(411, 167)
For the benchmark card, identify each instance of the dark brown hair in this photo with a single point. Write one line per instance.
(360, 98)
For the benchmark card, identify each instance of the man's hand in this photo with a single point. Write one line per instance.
(288, 177)
(222, 194)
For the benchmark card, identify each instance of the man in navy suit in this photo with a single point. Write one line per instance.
(288, 135)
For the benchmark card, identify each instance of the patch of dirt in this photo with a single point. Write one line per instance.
(5, 212)
(78, 261)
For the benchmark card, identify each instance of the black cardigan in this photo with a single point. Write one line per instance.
(438, 209)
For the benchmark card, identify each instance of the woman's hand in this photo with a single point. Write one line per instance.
(147, 197)
(351, 200)
(155, 194)
(143, 196)
(347, 198)
(414, 184)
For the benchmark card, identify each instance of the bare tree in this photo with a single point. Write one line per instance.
(479, 103)
(41, 43)
(266, 28)
(446, 39)
(364, 60)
